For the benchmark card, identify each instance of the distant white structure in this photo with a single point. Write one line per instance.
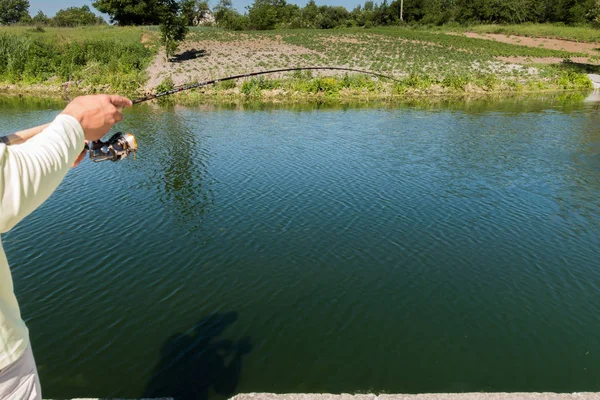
(595, 80)
(204, 18)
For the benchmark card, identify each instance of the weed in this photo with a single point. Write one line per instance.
(227, 85)
(166, 85)
(101, 62)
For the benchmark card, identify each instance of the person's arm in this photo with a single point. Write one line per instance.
(22, 136)
(30, 172)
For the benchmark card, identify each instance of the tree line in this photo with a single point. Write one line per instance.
(17, 11)
(271, 14)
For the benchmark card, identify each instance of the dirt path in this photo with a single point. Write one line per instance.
(593, 49)
(552, 44)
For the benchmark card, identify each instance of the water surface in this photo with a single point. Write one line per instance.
(408, 249)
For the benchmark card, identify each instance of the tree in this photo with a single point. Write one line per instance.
(173, 25)
(594, 13)
(505, 11)
(12, 11)
(227, 17)
(414, 10)
(129, 12)
(266, 14)
(77, 16)
(223, 5)
(382, 14)
(192, 8)
(470, 10)
(223, 10)
(40, 19)
(330, 17)
(309, 13)
(188, 9)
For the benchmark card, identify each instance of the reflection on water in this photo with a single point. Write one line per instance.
(422, 247)
(503, 102)
(178, 161)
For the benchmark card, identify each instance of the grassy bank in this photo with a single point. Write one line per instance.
(304, 87)
(128, 61)
(89, 59)
(511, 101)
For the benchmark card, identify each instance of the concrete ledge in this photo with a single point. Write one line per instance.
(595, 78)
(435, 396)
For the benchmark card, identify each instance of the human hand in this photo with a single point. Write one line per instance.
(97, 113)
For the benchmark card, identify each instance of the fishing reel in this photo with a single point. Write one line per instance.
(117, 148)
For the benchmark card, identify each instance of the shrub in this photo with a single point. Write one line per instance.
(488, 81)
(328, 85)
(166, 85)
(99, 62)
(418, 81)
(226, 85)
(574, 80)
(455, 82)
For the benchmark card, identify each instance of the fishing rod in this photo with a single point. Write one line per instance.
(183, 88)
(120, 145)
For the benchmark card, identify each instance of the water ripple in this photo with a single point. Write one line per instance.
(393, 250)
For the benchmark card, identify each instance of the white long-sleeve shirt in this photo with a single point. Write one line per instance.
(29, 173)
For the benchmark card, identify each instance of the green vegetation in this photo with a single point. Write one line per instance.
(173, 25)
(173, 16)
(166, 85)
(423, 62)
(81, 59)
(149, 12)
(69, 17)
(394, 51)
(273, 14)
(128, 12)
(74, 16)
(128, 35)
(298, 88)
(12, 11)
(412, 44)
(192, 8)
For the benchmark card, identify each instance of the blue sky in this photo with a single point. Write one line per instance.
(50, 7)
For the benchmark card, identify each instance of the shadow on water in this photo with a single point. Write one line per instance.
(194, 365)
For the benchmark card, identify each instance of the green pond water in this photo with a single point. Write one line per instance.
(444, 248)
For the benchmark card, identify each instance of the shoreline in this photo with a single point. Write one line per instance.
(208, 96)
